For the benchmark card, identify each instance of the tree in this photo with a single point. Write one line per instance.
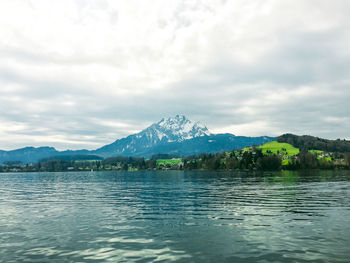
(269, 163)
(307, 160)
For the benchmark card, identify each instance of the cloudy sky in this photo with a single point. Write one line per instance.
(82, 73)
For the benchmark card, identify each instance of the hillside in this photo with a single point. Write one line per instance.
(308, 142)
(208, 144)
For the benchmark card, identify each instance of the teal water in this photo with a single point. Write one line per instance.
(175, 216)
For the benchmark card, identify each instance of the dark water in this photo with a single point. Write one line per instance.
(175, 216)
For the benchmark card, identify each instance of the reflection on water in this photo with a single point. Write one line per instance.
(175, 216)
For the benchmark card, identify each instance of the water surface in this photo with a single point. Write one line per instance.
(175, 216)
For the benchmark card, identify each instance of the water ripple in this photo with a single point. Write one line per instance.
(175, 216)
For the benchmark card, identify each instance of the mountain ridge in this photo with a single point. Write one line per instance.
(177, 135)
(168, 130)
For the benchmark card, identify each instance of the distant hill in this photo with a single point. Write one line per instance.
(308, 142)
(32, 154)
(27, 154)
(175, 135)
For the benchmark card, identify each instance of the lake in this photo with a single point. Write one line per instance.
(181, 216)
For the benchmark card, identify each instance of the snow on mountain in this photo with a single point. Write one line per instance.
(173, 129)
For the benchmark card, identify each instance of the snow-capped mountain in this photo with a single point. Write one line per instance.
(176, 135)
(172, 129)
(176, 129)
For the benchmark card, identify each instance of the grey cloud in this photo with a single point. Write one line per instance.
(220, 92)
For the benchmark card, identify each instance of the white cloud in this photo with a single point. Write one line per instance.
(89, 72)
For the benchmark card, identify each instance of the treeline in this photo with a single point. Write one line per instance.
(61, 164)
(127, 163)
(219, 161)
(252, 159)
(256, 160)
(74, 157)
(307, 142)
(164, 156)
(307, 160)
(233, 160)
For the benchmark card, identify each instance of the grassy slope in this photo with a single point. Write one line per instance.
(275, 147)
(287, 149)
(168, 161)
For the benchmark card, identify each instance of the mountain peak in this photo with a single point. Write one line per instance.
(177, 118)
(171, 129)
(167, 130)
(180, 128)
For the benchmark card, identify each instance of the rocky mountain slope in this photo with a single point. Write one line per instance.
(176, 129)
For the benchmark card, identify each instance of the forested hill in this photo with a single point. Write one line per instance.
(308, 142)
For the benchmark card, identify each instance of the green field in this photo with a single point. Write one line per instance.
(286, 149)
(278, 147)
(169, 161)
